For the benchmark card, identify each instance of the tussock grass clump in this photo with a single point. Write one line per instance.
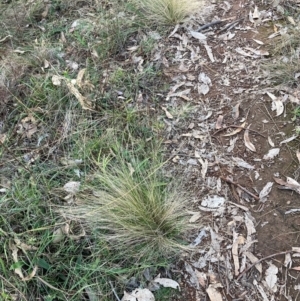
(168, 11)
(134, 211)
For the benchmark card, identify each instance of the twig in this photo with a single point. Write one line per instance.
(243, 188)
(114, 291)
(209, 24)
(231, 25)
(20, 293)
(260, 260)
(237, 127)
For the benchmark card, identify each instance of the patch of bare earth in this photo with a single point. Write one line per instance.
(245, 206)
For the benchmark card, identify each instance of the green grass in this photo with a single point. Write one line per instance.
(132, 209)
(282, 69)
(51, 140)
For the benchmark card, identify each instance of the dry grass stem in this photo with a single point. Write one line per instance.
(168, 11)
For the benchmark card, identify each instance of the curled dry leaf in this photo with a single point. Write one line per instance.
(248, 144)
(202, 278)
(278, 106)
(17, 270)
(204, 166)
(254, 259)
(298, 155)
(168, 114)
(289, 139)
(213, 293)
(236, 111)
(271, 142)
(80, 77)
(242, 127)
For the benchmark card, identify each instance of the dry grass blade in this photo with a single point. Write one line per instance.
(136, 213)
(168, 11)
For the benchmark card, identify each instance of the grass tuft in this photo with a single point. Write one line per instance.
(134, 211)
(168, 11)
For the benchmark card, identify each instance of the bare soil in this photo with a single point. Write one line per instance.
(239, 81)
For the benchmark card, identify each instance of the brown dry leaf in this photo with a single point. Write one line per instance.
(168, 114)
(24, 246)
(219, 122)
(248, 144)
(2, 138)
(60, 233)
(80, 77)
(291, 20)
(204, 166)
(296, 268)
(195, 216)
(202, 278)
(84, 102)
(77, 237)
(4, 39)
(28, 126)
(14, 250)
(213, 293)
(242, 127)
(32, 274)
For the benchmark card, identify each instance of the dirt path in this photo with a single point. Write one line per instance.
(221, 74)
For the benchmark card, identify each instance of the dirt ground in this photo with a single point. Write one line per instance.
(238, 93)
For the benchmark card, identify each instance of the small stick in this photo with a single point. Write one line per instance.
(17, 290)
(114, 291)
(237, 127)
(260, 260)
(238, 185)
(231, 25)
(209, 24)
